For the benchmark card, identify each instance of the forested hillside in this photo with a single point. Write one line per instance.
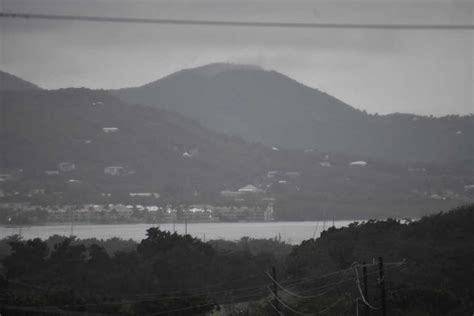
(269, 107)
(67, 141)
(94, 130)
(428, 271)
(13, 83)
(437, 278)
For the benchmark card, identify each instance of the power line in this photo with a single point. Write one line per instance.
(288, 306)
(206, 289)
(364, 299)
(294, 293)
(194, 306)
(292, 284)
(329, 286)
(394, 26)
(251, 292)
(246, 296)
(276, 309)
(314, 277)
(332, 305)
(160, 297)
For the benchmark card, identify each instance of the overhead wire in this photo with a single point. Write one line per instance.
(204, 289)
(274, 307)
(286, 287)
(192, 307)
(331, 306)
(284, 304)
(270, 24)
(251, 292)
(292, 293)
(314, 277)
(328, 287)
(364, 299)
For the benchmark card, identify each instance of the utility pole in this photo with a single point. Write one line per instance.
(366, 288)
(185, 226)
(382, 286)
(276, 303)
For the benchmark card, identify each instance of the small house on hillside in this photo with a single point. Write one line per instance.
(250, 189)
(469, 187)
(145, 194)
(66, 166)
(359, 163)
(108, 130)
(114, 170)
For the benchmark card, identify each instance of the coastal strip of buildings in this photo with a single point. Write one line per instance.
(120, 213)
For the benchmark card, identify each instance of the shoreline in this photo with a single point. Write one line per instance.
(180, 223)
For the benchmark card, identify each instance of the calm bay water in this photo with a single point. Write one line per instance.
(290, 232)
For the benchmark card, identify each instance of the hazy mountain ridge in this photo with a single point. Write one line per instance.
(269, 107)
(11, 82)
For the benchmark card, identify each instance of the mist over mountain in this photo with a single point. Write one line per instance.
(269, 107)
(11, 82)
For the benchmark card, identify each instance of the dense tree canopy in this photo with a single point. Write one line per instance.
(428, 271)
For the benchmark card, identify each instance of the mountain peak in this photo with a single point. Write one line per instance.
(211, 70)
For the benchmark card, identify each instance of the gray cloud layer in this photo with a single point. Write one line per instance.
(427, 72)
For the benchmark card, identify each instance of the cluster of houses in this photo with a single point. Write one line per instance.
(108, 170)
(113, 213)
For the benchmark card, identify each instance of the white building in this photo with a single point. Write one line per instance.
(359, 163)
(250, 189)
(108, 130)
(114, 170)
(144, 194)
(272, 174)
(66, 166)
(469, 187)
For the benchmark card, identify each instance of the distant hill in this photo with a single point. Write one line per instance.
(11, 82)
(162, 151)
(268, 107)
(43, 128)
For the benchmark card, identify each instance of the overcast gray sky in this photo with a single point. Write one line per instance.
(384, 71)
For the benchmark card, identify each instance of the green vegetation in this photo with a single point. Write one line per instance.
(428, 271)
